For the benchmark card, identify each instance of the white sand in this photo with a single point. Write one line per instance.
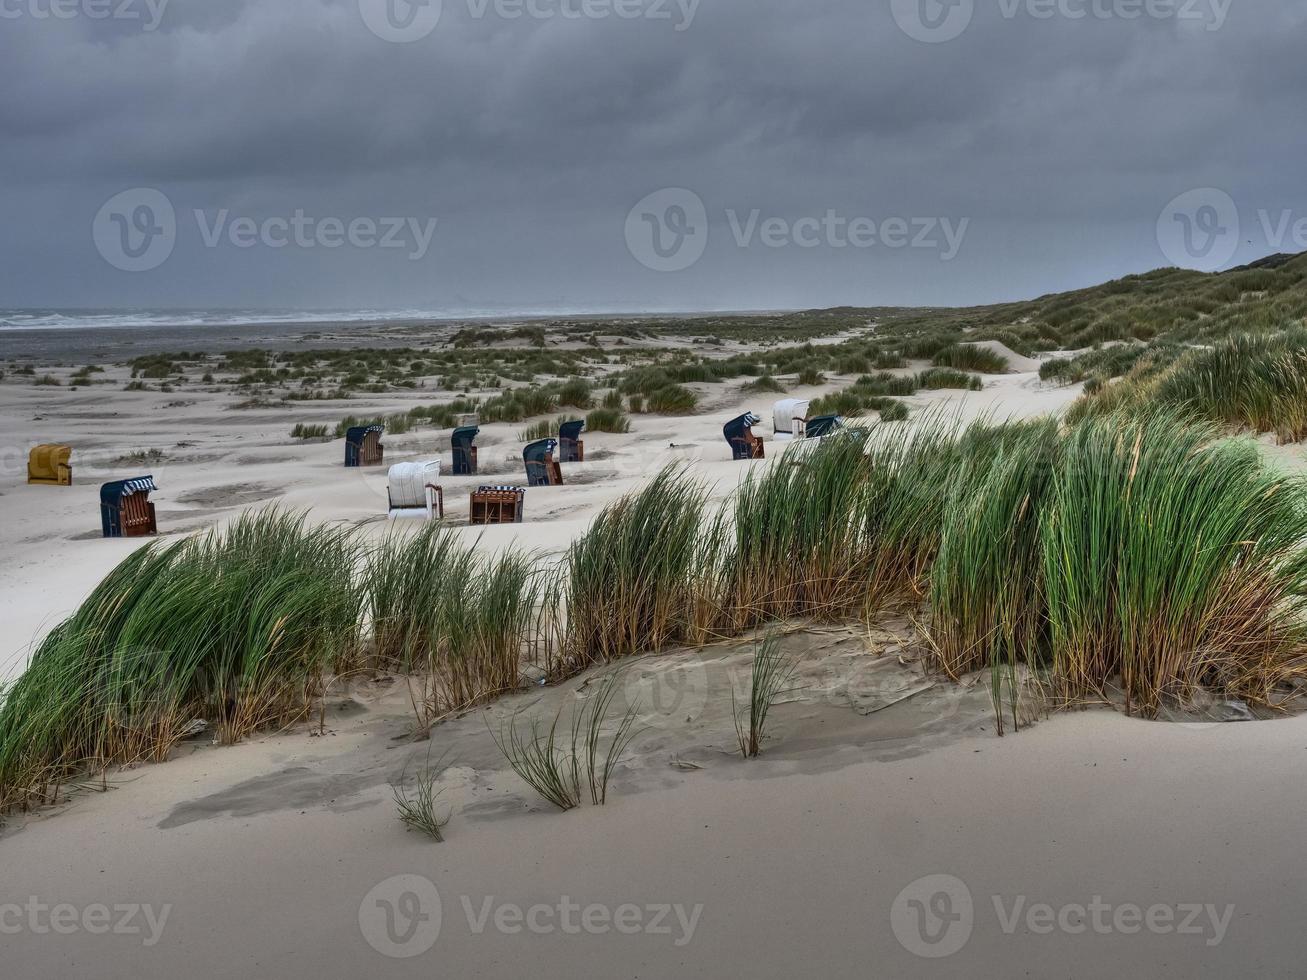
(218, 461)
(1016, 362)
(797, 859)
(875, 775)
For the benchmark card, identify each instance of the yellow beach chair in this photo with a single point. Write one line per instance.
(51, 465)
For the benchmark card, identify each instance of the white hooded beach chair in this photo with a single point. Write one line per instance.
(791, 416)
(414, 491)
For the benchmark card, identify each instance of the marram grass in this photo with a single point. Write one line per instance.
(1139, 550)
(235, 626)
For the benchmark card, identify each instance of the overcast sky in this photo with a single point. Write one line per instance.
(841, 151)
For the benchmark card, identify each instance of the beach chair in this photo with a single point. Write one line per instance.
(497, 505)
(790, 419)
(414, 492)
(363, 446)
(570, 447)
(50, 466)
(465, 454)
(739, 433)
(823, 425)
(542, 470)
(126, 510)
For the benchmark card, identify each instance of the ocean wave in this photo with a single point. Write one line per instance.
(52, 319)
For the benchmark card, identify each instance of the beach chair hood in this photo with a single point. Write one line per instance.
(537, 451)
(790, 413)
(824, 425)
(571, 431)
(735, 428)
(464, 436)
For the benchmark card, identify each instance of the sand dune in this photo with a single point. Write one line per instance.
(877, 779)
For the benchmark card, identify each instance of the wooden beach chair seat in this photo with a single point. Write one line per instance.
(542, 470)
(465, 454)
(363, 446)
(497, 505)
(414, 491)
(570, 447)
(744, 443)
(50, 465)
(126, 510)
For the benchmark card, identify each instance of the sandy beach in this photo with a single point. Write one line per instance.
(887, 831)
(214, 460)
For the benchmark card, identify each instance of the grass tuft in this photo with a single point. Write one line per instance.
(768, 680)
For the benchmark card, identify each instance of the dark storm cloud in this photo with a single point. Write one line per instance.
(1059, 139)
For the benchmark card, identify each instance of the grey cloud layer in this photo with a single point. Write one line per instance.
(1061, 140)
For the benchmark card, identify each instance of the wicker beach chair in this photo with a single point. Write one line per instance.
(363, 446)
(50, 465)
(570, 447)
(126, 510)
(542, 470)
(465, 454)
(414, 491)
(497, 505)
(739, 433)
(790, 419)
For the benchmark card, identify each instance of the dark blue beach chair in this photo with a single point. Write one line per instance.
(465, 454)
(571, 449)
(542, 470)
(363, 446)
(739, 433)
(125, 508)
